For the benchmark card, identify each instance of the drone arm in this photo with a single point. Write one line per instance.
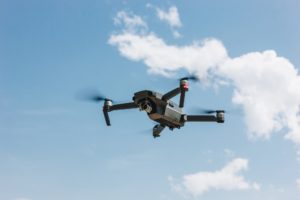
(106, 117)
(182, 97)
(180, 90)
(109, 107)
(175, 92)
(171, 94)
(200, 118)
(123, 106)
(106, 106)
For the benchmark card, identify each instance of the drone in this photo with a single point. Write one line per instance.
(161, 109)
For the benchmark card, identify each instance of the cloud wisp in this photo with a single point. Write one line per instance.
(171, 16)
(150, 49)
(228, 178)
(130, 21)
(265, 84)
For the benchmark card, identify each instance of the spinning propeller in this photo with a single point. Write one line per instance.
(190, 78)
(92, 95)
(210, 111)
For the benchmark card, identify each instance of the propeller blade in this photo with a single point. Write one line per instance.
(192, 78)
(209, 111)
(96, 98)
(91, 95)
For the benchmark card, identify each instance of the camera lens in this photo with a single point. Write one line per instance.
(146, 106)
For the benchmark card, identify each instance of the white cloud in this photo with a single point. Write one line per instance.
(175, 187)
(165, 59)
(229, 153)
(170, 16)
(227, 178)
(130, 21)
(176, 34)
(265, 84)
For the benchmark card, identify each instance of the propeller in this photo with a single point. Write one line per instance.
(233, 111)
(210, 111)
(97, 98)
(191, 78)
(94, 96)
(91, 95)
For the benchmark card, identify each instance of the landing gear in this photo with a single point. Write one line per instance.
(156, 135)
(157, 129)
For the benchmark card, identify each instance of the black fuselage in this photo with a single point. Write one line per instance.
(161, 109)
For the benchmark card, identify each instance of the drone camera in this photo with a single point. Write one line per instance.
(220, 116)
(146, 106)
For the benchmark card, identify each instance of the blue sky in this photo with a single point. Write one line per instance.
(53, 146)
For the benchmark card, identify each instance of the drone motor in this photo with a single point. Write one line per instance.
(220, 116)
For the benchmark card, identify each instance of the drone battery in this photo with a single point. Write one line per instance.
(173, 114)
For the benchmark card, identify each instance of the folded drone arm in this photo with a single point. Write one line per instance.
(106, 117)
(182, 89)
(175, 92)
(109, 107)
(123, 106)
(171, 94)
(200, 118)
(182, 97)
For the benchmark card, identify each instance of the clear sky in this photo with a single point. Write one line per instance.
(53, 146)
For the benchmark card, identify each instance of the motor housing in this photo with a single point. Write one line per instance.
(220, 116)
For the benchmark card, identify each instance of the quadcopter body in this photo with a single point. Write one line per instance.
(161, 109)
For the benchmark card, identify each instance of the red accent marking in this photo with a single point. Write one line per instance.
(186, 86)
